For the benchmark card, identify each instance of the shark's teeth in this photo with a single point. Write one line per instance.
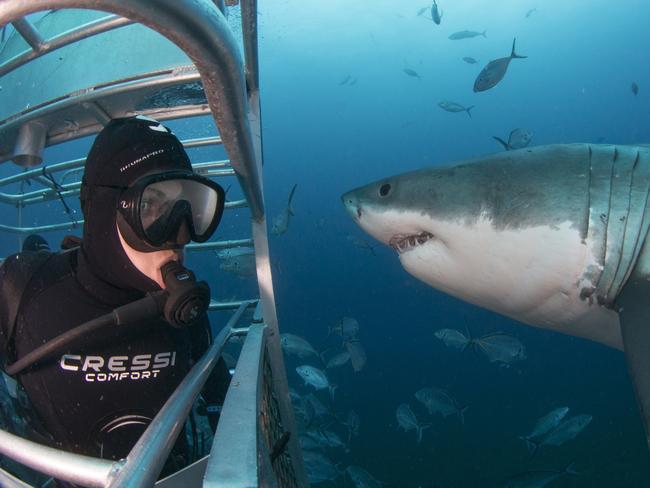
(402, 243)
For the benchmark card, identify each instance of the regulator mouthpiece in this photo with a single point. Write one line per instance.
(188, 299)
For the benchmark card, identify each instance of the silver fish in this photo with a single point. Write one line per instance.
(412, 73)
(470, 60)
(351, 423)
(347, 328)
(494, 71)
(452, 338)
(455, 107)
(407, 420)
(361, 478)
(315, 377)
(537, 478)
(317, 406)
(439, 401)
(517, 139)
(465, 34)
(635, 88)
(357, 355)
(567, 430)
(547, 422)
(501, 348)
(304, 414)
(326, 438)
(436, 15)
(338, 360)
(296, 345)
(319, 468)
(281, 221)
(239, 261)
(308, 443)
(530, 12)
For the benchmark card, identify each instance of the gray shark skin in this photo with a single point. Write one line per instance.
(553, 236)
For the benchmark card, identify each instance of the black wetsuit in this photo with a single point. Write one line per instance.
(97, 397)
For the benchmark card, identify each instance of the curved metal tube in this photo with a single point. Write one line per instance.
(88, 471)
(202, 32)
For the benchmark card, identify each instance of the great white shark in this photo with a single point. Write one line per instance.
(552, 236)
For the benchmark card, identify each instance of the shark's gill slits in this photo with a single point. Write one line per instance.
(402, 243)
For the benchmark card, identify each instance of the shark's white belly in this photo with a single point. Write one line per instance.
(533, 275)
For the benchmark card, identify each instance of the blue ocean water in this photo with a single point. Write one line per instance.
(328, 137)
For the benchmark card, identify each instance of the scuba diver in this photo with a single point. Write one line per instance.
(34, 242)
(142, 204)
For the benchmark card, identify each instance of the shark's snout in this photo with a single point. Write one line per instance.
(352, 205)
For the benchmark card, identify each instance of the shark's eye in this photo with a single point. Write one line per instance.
(384, 189)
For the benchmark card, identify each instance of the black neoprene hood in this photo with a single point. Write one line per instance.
(127, 149)
(124, 151)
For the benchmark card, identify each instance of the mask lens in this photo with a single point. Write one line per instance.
(165, 205)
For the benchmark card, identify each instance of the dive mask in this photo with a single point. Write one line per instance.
(167, 210)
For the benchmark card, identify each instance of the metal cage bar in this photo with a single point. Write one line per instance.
(204, 35)
(146, 459)
(40, 47)
(201, 31)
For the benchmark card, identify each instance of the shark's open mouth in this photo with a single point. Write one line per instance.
(402, 243)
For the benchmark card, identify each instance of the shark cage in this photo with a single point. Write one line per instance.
(67, 67)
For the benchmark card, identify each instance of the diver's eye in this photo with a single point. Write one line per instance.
(384, 189)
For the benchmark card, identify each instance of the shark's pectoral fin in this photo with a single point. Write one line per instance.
(634, 303)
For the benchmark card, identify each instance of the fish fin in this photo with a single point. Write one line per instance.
(570, 469)
(293, 190)
(468, 332)
(484, 33)
(531, 445)
(421, 430)
(634, 312)
(502, 142)
(461, 414)
(513, 54)
(468, 111)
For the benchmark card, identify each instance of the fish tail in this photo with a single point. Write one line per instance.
(513, 54)
(533, 447)
(502, 142)
(468, 333)
(470, 340)
(570, 469)
(421, 430)
(468, 111)
(484, 33)
(293, 190)
(526, 440)
(461, 414)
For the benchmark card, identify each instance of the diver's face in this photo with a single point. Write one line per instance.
(149, 263)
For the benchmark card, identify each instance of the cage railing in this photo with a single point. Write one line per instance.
(145, 461)
(232, 92)
(40, 47)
